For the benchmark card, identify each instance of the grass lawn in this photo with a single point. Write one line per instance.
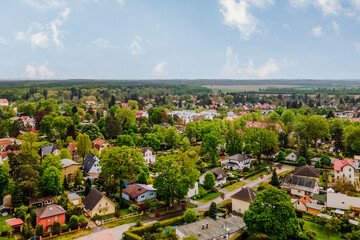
(208, 197)
(223, 204)
(3, 221)
(125, 221)
(74, 235)
(191, 205)
(321, 233)
(286, 172)
(234, 186)
(252, 178)
(124, 211)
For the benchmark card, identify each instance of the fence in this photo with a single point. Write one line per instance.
(61, 233)
(116, 219)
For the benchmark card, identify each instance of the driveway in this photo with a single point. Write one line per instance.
(228, 194)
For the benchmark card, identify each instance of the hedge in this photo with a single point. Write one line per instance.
(240, 236)
(140, 231)
(254, 173)
(131, 236)
(290, 163)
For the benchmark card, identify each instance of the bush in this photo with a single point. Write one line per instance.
(311, 234)
(20, 214)
(245, 169)
(190, 216)
(213, 210)
(56, 228)
(39, 230)
(33, 219)
(209, 180)
(74, 222)
(138, 223)
(65, 228)
(133, 208)
(131, 236)
(153, 227)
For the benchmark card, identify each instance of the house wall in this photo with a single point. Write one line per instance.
(96, 168)
(239, 205)
(45, 221)
(220, 182)
(146, 195)
(125, 196)
(342, 201)
(76, 201)
(70, 170)
(149, 157)
(313, 211)
(193, 191)
(348, 172)
(299, 206)
(105, 211)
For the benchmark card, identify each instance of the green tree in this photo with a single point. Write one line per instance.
(303, 149)
(288, 117)
(5, 229)
(87, 187)
(191, 237)
(260, 141)
(213, 210)
(39, 230)
(142, 178)
(337, 132)
(352, 139)
(92, 131)
(51, 182)
(152, 141)
(172, 138)
(125, 140)
(210, 143)
(209, 180)
(4, 180)
(78, 177)
(301, 161)
(317, 128)
(233, 141)
(267, 213)
(83, 144)
(50, 160)
(332, 226)
(74, 222)
(190, 216)
(65, 154)
(17, 198)
(275, 179)
(61, 125)
(325, 160)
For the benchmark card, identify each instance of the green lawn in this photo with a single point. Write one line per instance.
(223, 204)
(73, 235)
(128, 220)
(252, 178)
(234, 186)
(208, 197)
(321, 233)
(124, 211)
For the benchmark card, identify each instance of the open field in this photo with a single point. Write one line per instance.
(247, 87)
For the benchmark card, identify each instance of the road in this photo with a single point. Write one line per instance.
(228, 194)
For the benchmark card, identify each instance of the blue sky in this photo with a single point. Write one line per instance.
(172, 39)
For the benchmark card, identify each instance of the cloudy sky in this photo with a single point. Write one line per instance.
(146, 39)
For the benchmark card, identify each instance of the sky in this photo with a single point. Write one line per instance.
(180, 39)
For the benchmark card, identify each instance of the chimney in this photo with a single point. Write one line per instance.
(203, 226)
(139, 188)
(207, 225)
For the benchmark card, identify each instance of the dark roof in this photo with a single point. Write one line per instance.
(147, 148)
(164, 124)
(219, 173)
(299, 182)
(89, 162)
(92, 199)
(307, 171)
(49, 211)
(45, 150)
(238, 158)
(136, 190)
(246, 194)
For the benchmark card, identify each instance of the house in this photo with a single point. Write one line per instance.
(342, 201)
(210, 114)
(237, 162)
(345, 168)
(74, 198)
(4, 142)
(300, 186)
(91, 164)
(16, 224)
(69, 168)
(46, 216)
(97, 203)
(255, 124)
(357, 162)
(90, 103)
(73, 150)
(99, 144)
(165, 124)
(7, 204)
(316, 159)
(209, 229)
(149, 155)
(220, 176)
(45, 150)
(40, 202)
(139, 192)
(242, 200)
(193, 191)
(305, 204)
(291, 157)
(4, 102)
(307, 171)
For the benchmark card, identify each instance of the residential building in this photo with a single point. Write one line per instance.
(307, 171)
(357, 162)
(73, 150)
(193, 191)
(16, 224)
(100, 144)
(342, 201)
(242, 200)
(185, 115)
(69, 168)
(210, 229)
(46, 216)
(91, 164)
(40, 202)
(306, 204)
(300, 186)
(74, 198)
(237, 162)
(220, 176)
(345, 168)
(45, 150)
(139, 192)
(4, 102)
(149, 155)
(97, 203)
(210, 114)
(7, 204)
(291, 157)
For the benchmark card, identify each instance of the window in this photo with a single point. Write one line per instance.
(337, 171)
(56, 217)
(349, 169)
(151, 194)
(349, 175)
(100, 205)
(106, 204)
(49, 219)
(143, 196)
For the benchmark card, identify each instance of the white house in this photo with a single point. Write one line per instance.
(186, 115)
(4, 102)
(210, 114)
(357, 162)
(341, 201)
(237, 162)
(220, 176)
(300, 186)
(291, 157)
(91, 164)
(149, 155)
(345, 168)
(193, 191)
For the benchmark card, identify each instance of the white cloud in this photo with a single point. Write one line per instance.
(357, 46)
(327, 7)
(38, 72)
(39, 39)
(232, 69)
(3, 41)
(286, 26)
(121, 2)
(20, 36)
(336, 27)
(317, 31)
(236, 14)
(45, 4)
(135, 46)
(159, 69)
(102, 43)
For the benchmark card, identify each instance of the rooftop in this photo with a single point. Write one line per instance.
(340, 164)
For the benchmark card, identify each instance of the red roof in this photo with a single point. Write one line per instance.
(305, 199)
(33, 130)
(139, 113)
(72, 146)
(255, 124)
(340, 164)
(14, 222)
(24, 118)
(98, 142)
(4, 101)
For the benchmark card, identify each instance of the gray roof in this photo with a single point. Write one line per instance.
(315, 206)
(219, 173)
(238, 158)
(307, 171)
(215, 229)
(72, 196)
(68, 162)
(89, 162)
(301, 183)
(45, 150)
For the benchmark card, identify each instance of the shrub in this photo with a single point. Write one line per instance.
(138, 223)
(83, 221)
(245, 169)
(39, 230)
(131, 236)
(65, 228)
(190, 216)
(33, 219)
(20, 214)
(213, 210)
(133, 208)
(209, 180)
(56, 228)
(74, 222)
(311, 234)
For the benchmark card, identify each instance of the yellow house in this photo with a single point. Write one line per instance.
(74, 198)
(242, 200)
(97, 203)
(69, 168)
